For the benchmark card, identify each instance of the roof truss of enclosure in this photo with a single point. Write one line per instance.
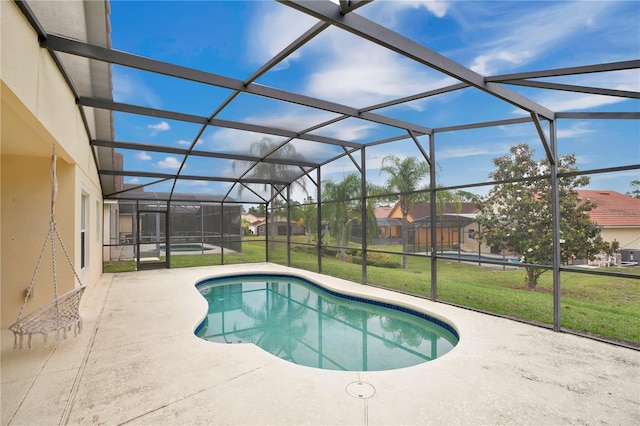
(94, 98)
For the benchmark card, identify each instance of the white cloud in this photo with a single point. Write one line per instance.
(574, 101)
(387, 12)
(514, 39)
(468, 152)
(575, 130)
(132, 181)
(348, 130)
(437, 7)
(291, 117)
(143, 156)
(273, 28)
(387, 9)
(485, 64)
(234, 141)
(169, 163)
(162, 126)
(346, 69)
(365, 73)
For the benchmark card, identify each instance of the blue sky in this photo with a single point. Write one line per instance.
(234, 38)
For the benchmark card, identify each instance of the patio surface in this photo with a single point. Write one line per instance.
(138, 362)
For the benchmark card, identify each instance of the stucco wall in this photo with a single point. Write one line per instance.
(629, 238)
(38, 111)
(25, 216)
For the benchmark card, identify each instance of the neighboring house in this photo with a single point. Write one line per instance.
(280, 227)
(253, 220)
(618, 215)
(386, 226)
(453, 225)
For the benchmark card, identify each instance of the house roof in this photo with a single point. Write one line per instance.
(422, 209)
(612, 208)
(278, 219)
(382, 212)
(254, 218)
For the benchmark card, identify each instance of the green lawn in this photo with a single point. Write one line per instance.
(607, 306)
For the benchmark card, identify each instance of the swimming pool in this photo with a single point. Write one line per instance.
(180, 247)
(306, 324)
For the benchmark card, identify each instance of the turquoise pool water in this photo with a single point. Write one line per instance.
(177, 247)
(305, 324)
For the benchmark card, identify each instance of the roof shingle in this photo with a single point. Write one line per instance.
(612, 208)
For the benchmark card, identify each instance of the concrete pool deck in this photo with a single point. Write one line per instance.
(137, 361)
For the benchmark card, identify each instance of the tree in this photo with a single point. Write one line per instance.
(259, 211)
(444, 197)
(341, 205)
(308, 217)
(404, 180)
(262, 149)
(635, 189)
(517, 215)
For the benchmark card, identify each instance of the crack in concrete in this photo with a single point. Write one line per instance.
(66, 413)
(192, 395)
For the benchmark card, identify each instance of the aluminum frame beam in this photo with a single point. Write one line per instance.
(600, 115)
(575, 89)
(557, 72)
(190, 118)
(347, 6)
(157, 175)
(197, 153)
(417, 96)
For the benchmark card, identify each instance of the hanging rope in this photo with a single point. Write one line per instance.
(62, 313)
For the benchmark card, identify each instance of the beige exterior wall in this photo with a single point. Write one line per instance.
(38, 111)
(629, 238)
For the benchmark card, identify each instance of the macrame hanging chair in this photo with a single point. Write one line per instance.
(62, 313)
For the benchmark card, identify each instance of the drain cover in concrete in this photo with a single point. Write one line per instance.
(360, 390)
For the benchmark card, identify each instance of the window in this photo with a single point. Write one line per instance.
(98, 213)
(84, 225)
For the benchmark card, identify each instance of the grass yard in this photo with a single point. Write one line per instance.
(602, 305)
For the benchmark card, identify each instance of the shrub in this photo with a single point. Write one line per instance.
(304, 249)
(330, 251)
(376, 259)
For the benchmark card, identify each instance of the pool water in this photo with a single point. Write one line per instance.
(186, 247)
(305, 324)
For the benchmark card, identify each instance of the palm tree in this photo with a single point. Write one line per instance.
(442, 199)
(404, 180)
(308, 217)
(340, 205)
(261, 169)
(457, 203)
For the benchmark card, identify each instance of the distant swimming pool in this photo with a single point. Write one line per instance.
(475, 257)
(179, 247)
(303, 323)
